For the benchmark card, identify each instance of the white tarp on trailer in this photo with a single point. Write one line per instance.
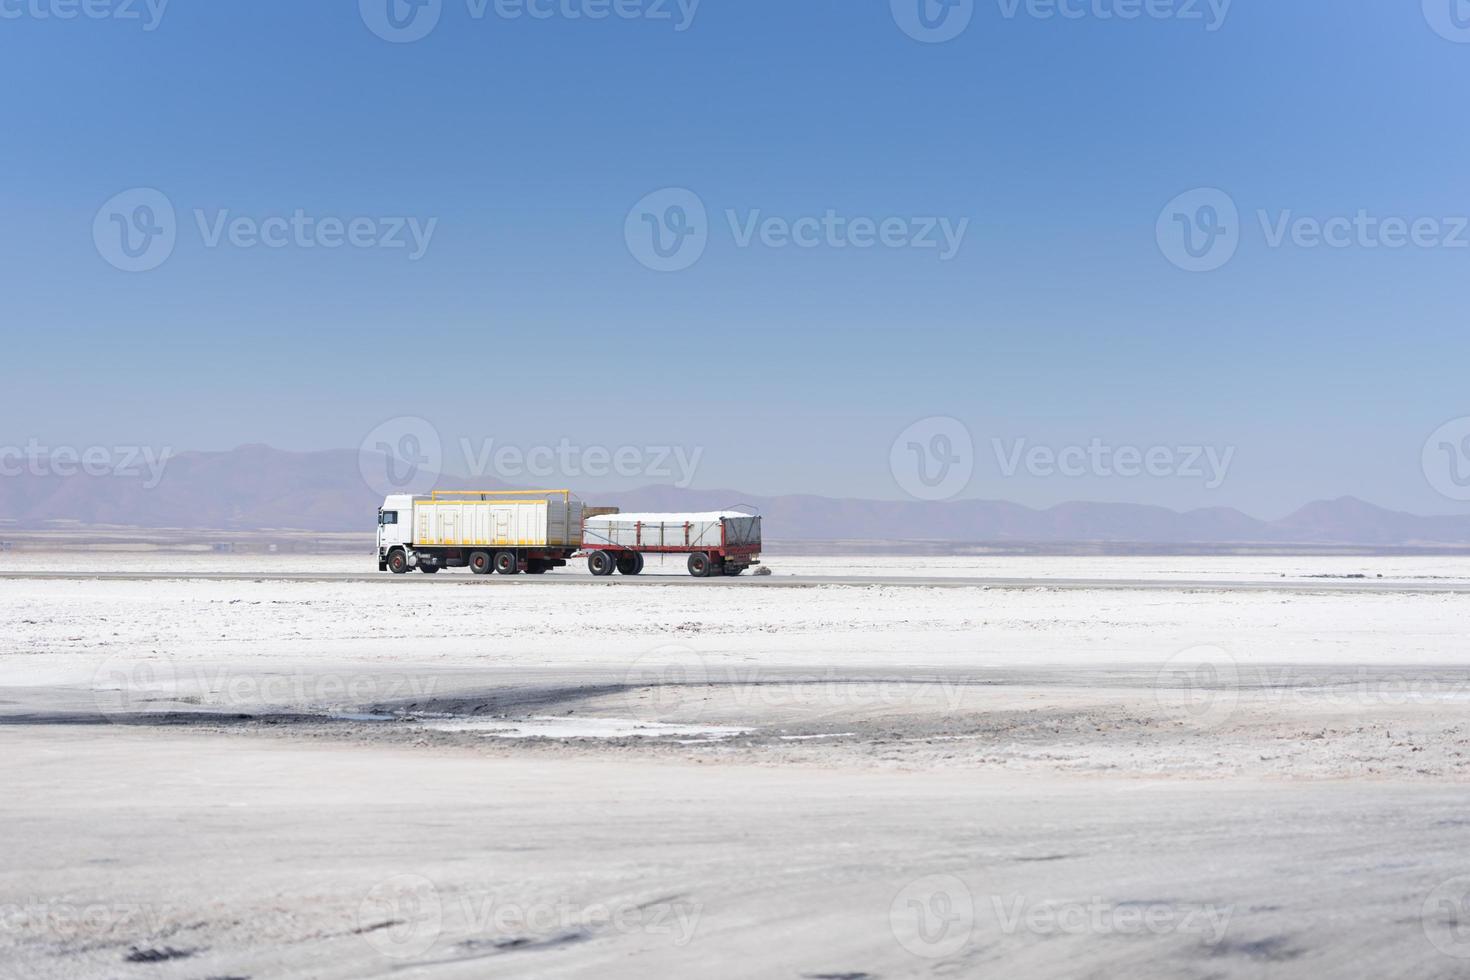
(706, 530)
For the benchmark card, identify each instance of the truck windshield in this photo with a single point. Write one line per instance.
(387, 517)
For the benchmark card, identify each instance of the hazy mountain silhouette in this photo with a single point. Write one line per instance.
(258, 488)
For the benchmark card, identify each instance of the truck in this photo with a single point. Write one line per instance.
(500, 531)
(719, 543)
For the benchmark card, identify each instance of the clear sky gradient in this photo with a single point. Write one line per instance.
(529, 319)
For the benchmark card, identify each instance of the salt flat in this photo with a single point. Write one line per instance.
(316, 778)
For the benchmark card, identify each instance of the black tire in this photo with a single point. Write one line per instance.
(397, 561)
(630, 563)
(428, 569)
(700, 565)
(506, 563)
(480, 563)
(601, 563)
(734, 569)
(536, 567)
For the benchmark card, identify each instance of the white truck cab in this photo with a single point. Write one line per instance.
(395, 525)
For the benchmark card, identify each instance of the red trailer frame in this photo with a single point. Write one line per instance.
(704, 561)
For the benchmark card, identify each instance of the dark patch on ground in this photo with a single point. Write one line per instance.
(163, 954)
(1272, 949)
(858, 975)
(376, 926)
(507, 700)
(515, 943)
(1046, 857)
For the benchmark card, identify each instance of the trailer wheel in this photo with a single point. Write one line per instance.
(480, 563)
(397, 561)
(506, 563)
(699, 565)
(630, 563)
(601, 563)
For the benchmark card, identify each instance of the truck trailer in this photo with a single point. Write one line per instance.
(720, 543)
(507, 532)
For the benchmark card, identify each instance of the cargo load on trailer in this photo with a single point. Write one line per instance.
(507, 532)
(718, 543)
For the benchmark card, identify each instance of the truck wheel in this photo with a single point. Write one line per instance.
(536, 567)
(428, 569)
(630, 563)
(601, 563)
(699, 565)
(480, 563)
(734, 569)
(397, 562)
(506, 563)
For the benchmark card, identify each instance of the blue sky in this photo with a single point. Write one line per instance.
(1059, 322)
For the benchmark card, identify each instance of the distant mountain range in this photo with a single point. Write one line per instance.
(257, 488)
